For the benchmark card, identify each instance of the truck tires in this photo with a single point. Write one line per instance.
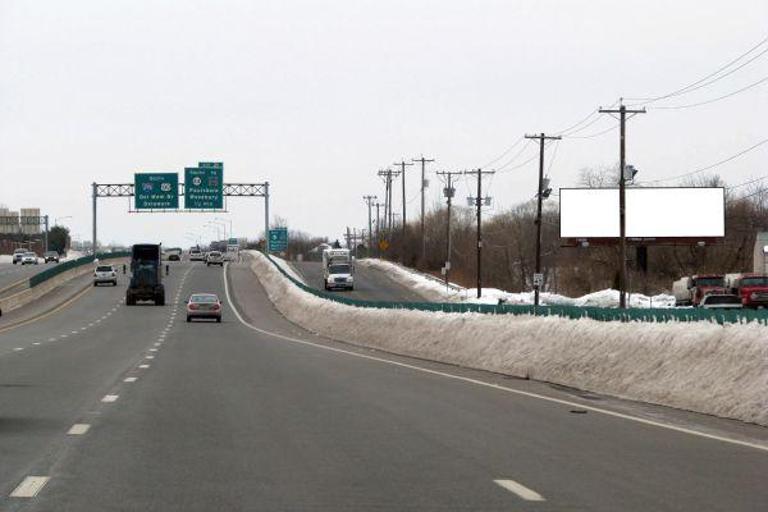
(129, 300)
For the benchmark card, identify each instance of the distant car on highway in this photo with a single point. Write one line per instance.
(204, 305)
(174, 254)
(29, 258)
(51, 256)
(18, 254)
(105, 274)
(196, 255)
(214, 258)
(721, 301)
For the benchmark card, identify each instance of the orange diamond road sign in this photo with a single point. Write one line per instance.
(383, 245)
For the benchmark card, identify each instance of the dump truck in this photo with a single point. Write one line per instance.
(751, 288)
(146, 275)
(689, 290)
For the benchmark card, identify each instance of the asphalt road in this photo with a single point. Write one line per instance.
(266, 416)
(370, 283)
(10, 273)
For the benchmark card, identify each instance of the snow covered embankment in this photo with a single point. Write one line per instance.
(433, 290)
(704, 367)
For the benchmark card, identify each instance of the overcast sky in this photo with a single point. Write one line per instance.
(316, 96)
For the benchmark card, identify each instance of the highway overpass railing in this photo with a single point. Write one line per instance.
(722, 316)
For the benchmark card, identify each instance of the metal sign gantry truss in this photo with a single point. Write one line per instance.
(229, 190)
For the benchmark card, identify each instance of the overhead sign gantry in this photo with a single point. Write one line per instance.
(203, 191)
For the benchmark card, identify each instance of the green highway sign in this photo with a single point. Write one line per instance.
(278, 239)
(204, 186)
(156, 191)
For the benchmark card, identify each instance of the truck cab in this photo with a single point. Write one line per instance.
(690, 290)
(146, 275)
(752, 289)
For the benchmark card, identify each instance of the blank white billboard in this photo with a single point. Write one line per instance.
(650, 213)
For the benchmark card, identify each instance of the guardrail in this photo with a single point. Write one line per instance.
(47, 274)
(572, 312)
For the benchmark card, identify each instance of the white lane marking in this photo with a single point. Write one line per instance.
(143, 366)
(519, 489)
(74, 332)
(78, 429)
(158, 344)
(110, 398)
(130, 379)
(149, 357)
(477, 382)
(18, 349)
(36, 343)
(51, 339)
(63, 336)
(29, 487)
(153, 350)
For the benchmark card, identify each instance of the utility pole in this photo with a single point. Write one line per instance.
(448, 192)
(388, 175)
(369, 201)
(378, 232)
(538, 280)
(423, 187)
(622, 111)
(402, 165)
(479, 205)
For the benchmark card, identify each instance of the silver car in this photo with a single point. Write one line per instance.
(721, 301)
(204, 305)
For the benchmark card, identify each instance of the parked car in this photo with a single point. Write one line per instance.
(105, 274)
(51, 256)
(29, 258)
(214, 258)
(18, 254)
(204, 305)
(721, 301)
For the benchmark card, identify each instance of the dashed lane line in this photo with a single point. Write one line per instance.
(110, 398)
(143, 366)
(29, 487)
(78, 429)
(520, 490)
(130, 379)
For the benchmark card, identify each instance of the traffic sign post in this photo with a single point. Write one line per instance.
(156, 191)
(278, 239)
(204, 186)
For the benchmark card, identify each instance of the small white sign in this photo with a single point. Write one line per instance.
(538, 279)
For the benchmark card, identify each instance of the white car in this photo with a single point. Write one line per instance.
(29, 258)
(18, 254)
(196, 255)
(214, 258)
(105, 274)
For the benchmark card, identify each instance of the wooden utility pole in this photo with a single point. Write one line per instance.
(369, 201)
(423, 187)
(479, 206)
(448, 192)
(388, 175)
(402, 165)
(622, 111)
(540, 197)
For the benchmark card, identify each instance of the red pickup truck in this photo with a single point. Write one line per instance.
(753, 290)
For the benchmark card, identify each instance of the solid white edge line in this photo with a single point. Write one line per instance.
(477, 382)
(78, 429)
(519, 489)
(29, 487)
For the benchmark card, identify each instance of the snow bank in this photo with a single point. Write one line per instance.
(6, 258)
(704, 367)
(288, 269)
(432, 289)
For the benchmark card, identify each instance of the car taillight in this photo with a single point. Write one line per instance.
(193, 306)
(216, 307)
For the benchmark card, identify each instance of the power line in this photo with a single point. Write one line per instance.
(689, 87)
(713, 100)
(747, 182)
(710, 166)
(505, 153)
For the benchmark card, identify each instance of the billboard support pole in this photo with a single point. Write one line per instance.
(266, 217)
(540, 197)
(622, 111)
(95, 196)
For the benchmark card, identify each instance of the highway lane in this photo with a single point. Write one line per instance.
(370, 283)
(54, 371)
(232, 418)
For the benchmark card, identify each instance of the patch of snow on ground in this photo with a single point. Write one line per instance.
(288, 268)
(704, 367)
(432, 289)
